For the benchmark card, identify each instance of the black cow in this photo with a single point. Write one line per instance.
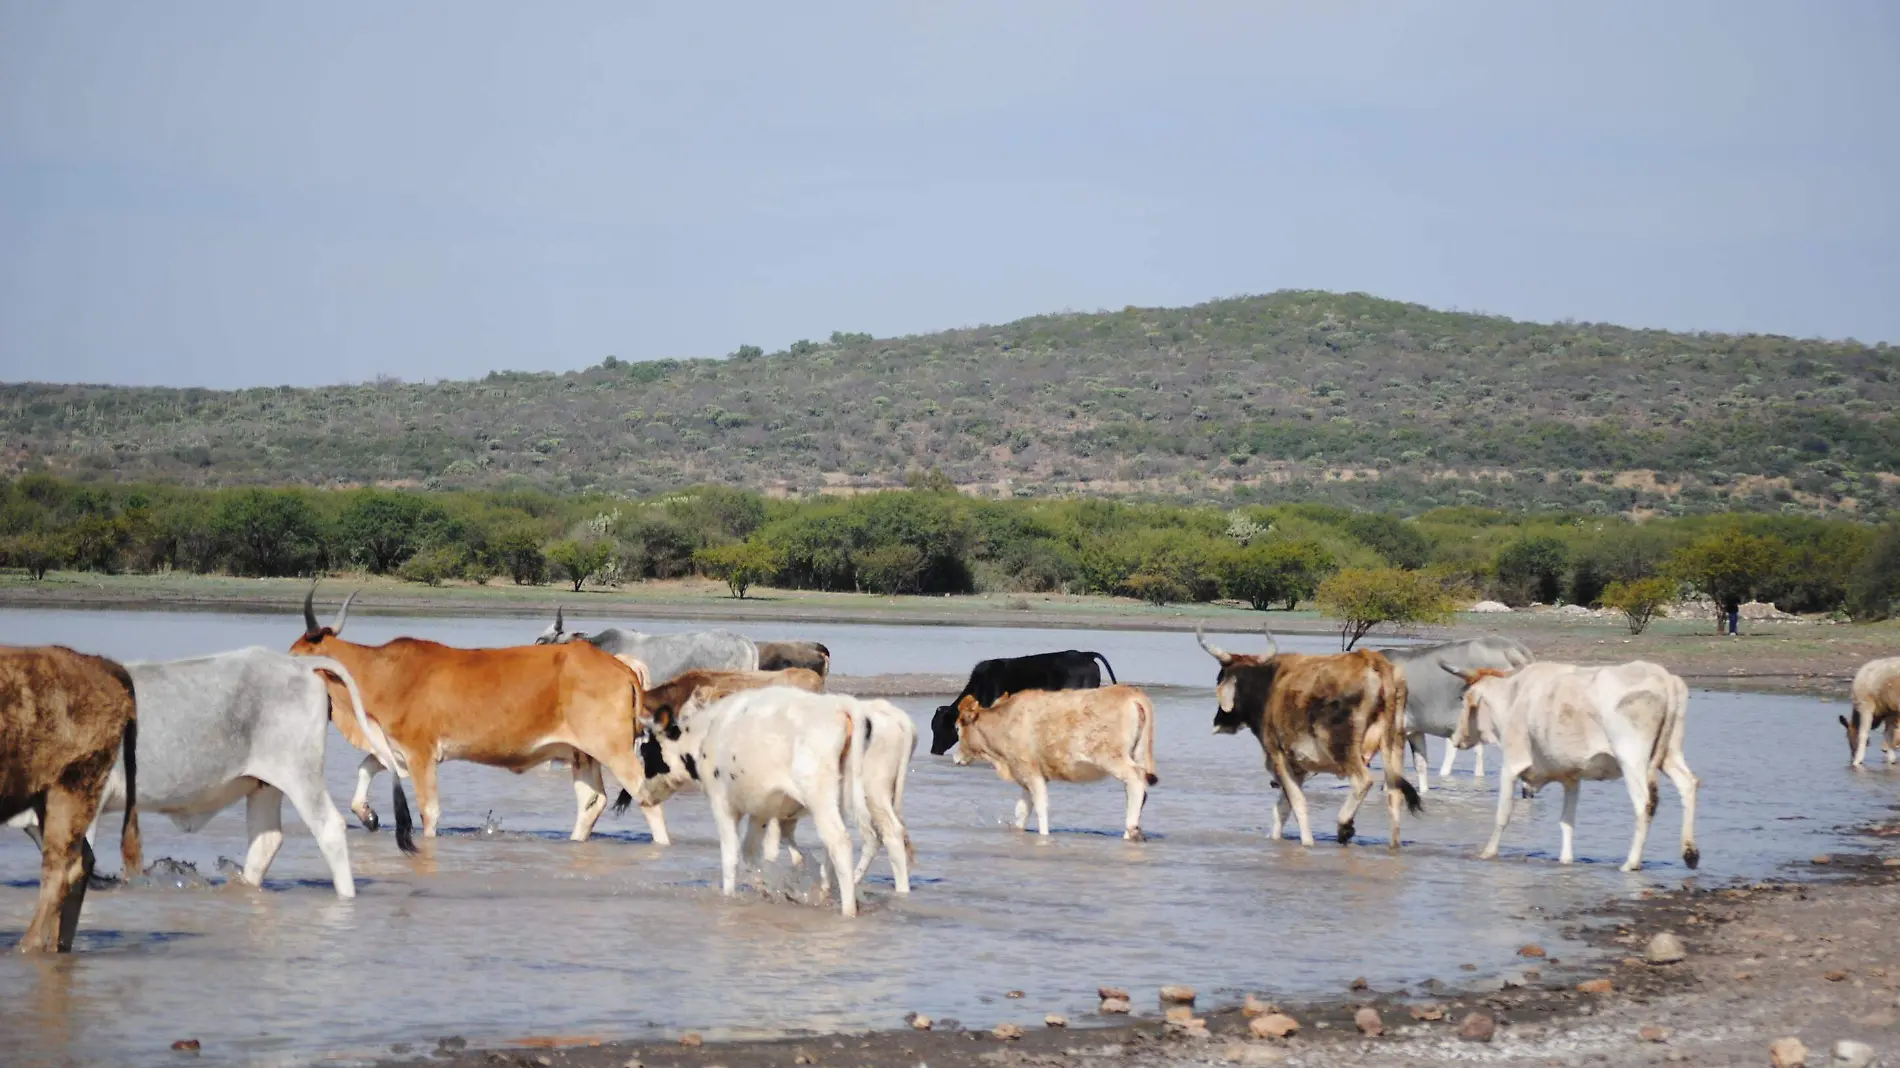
(992, 679)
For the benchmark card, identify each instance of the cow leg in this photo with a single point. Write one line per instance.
(1567, 823)
(749, 852)
(1421, 759)
(359, 804)
(1891, 750)
(1279, 814)
(1137, 783)
(65, 866)
(422, 773)
(1039, 793)
(590, 796)
(1477, 772)
(319, 813)
(264, 821)
(1642, 787)
(1451, 757)
(619, 757)
(837, 838)
(1291, 787)
(1685, 782)
(1507, 782)
(1361, 786)
(1022, 810)
(726, 823)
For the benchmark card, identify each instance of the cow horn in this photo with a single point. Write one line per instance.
(1466, 677)
(558, 619)
(343, 613)
(1213, 650)
(310, 627)
(1273, 647)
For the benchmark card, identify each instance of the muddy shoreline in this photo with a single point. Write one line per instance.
(1811, 955)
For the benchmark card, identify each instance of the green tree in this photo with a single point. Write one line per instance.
(36, 552)
(268, 532)
(1639, 600)
(1362, 598)
(1273, 572)
(517, 548)
(740, 564)
(432, 566)
(382, 529)
(1728, 566)
(580, 559)
(1873, 589)
(1532, 569)
(894, 568)
(1156, 587)
(1401, 543)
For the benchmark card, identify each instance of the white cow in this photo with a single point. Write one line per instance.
(1564, 723)
(891, 744)
(247, 724)
(1035, 736)
(1876, 701)
(769, 755)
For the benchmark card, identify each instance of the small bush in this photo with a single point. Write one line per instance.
(431, 566)
(1362, 598)
(1639, 600)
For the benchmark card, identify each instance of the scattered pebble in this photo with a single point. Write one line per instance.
(1851, 1054)
(691, 1038)
(1273, 1025)
(1595, 986)
(1179, 1014)
(186, 1045)
(1532, 950)
(1369, 1023)
(1106, 992)
(1007, 1032)
(1664, 948)
(1428, 1012)
(1358, 984)
(1114, 1006)
(1835, 976)
(919, 1022)
(1652, 1033)
(1787, 1052)
(1242, 1053)
(1823, 859)
(1177, 995)
(1014, 994)
(804, 1058)
(1055, 1020)
(1477, 1027)
(1253, 1007)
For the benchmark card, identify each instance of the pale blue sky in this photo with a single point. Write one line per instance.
(250, 194)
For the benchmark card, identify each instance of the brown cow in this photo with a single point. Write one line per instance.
(778, 656)
(64, 718)
(663, 702)
(511, 708)
(1318, 714)
(1034, 736)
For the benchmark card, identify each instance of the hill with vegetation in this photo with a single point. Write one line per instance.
(1293, 395)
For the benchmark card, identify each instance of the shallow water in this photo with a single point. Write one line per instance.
(524, 934)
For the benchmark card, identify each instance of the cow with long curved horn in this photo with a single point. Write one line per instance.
(310, 627)
(1273, 647)
(1213, 650)
(343, 613)
(556, 633)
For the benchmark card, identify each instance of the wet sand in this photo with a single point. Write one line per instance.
(1812, 956)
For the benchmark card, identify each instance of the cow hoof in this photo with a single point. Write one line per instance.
(1692, 857)
(369, 820)
(1634, 865)
(1345, 833)
(1133, 834)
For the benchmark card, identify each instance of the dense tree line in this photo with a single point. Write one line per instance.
(929, 539)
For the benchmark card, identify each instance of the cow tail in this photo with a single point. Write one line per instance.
(1675, 721)
(1393, 755)
(1112, 680)
(856, 742)
(381, 746)
(1142, 752)
(131, 846)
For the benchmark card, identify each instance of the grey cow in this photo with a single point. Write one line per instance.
(666, 656)
(249, 724)
(1435, 700)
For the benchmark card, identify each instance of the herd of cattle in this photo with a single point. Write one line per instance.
(751, 724)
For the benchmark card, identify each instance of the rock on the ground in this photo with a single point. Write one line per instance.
(1007, 1032)
(1478, 1027)
(1367, 1018)
(1490, 607)
(1013, 994)
(691, 1038)
(919, 1022)
(1664, 948)
(1114, 1006)
(1177, 995)
(1358, 984)
(1595, 986)
(1055, 1020)
(1850, 1054)
(1106, 992)
(1428, 1012)
(1253, 1007)
(1179, 1014)
(1242, 1053)
(186, 1045)
(1787, 1052)
(1652, 1033)
(1273, 1025)
(1532, 950)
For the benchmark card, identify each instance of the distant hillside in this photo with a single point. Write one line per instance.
(1302, 394)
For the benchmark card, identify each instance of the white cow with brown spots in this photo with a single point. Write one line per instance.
(1564, 723)
(1036, 736)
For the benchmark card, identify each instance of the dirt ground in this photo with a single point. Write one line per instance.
(1814, 956)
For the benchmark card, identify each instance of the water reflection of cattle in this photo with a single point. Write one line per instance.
(665, 655)
(64, 718)
(509, 708)
(1563, 723)
(1876, 701)
(1034, 736)
(772, 756)
(779, 656)
(1435, 701)
(1318, 714)
(991, 680)
(248, 724)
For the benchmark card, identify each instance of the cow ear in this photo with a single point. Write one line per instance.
(673, 732)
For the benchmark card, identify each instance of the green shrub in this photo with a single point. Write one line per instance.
(432, 566)
(1363, 598)
(1639, 600)
(739, 565)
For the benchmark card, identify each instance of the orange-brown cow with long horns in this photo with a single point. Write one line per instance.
(1318, 714)
(511, 708)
